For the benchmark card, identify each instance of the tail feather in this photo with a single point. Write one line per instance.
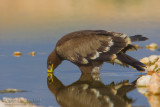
(130, 61)
(138, 38)
(120, 63)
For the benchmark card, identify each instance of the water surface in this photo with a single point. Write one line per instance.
(37, 25)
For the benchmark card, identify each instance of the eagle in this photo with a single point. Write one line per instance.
(89, 49)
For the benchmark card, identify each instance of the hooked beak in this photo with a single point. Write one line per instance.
(51, 69)
(50, 73)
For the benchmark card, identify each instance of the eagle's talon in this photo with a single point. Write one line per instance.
(133, 47)
(129, 47)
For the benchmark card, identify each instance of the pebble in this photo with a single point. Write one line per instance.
(144, 81)
(152, 63)
(17, 53)
(151, 82)
(152, 46)
(16, 102)
(153, 58)
(145, 60)
(154, 86)
(32, 53)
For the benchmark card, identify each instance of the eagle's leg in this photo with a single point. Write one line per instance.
(93, 67)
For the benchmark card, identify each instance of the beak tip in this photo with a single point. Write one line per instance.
(50, 71)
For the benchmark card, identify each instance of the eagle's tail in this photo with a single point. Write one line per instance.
(126, 59)
(138, 38)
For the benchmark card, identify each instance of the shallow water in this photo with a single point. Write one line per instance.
(37, 26)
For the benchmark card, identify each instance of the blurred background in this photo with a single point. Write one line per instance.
(23, 20)
(36, 25)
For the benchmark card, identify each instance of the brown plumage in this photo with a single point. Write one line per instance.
(88, 49)
(90, 91)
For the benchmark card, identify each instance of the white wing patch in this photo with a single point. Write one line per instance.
(120, 35)
(110, 43)
(96, 92)
(123, 36)
(95, 56)
(84, 61)
(106, 49)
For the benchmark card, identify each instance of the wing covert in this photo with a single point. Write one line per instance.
(83, 47)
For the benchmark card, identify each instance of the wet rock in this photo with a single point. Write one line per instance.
(153, 59)
(154, 100)
(144, 81)
(152, 63)
(154, 86)
(152, 68)
(151, 82)
(152, 46)
(145, 60)
(142, 90)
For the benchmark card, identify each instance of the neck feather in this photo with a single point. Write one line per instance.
(54, 59)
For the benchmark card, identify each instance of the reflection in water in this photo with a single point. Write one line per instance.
(90, 91)
(154, 100)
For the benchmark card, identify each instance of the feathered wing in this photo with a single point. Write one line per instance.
(121, 43)
(84, 47)
(87, 46)
(130, 61)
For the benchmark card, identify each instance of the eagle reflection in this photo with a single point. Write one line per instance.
(90, 91)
